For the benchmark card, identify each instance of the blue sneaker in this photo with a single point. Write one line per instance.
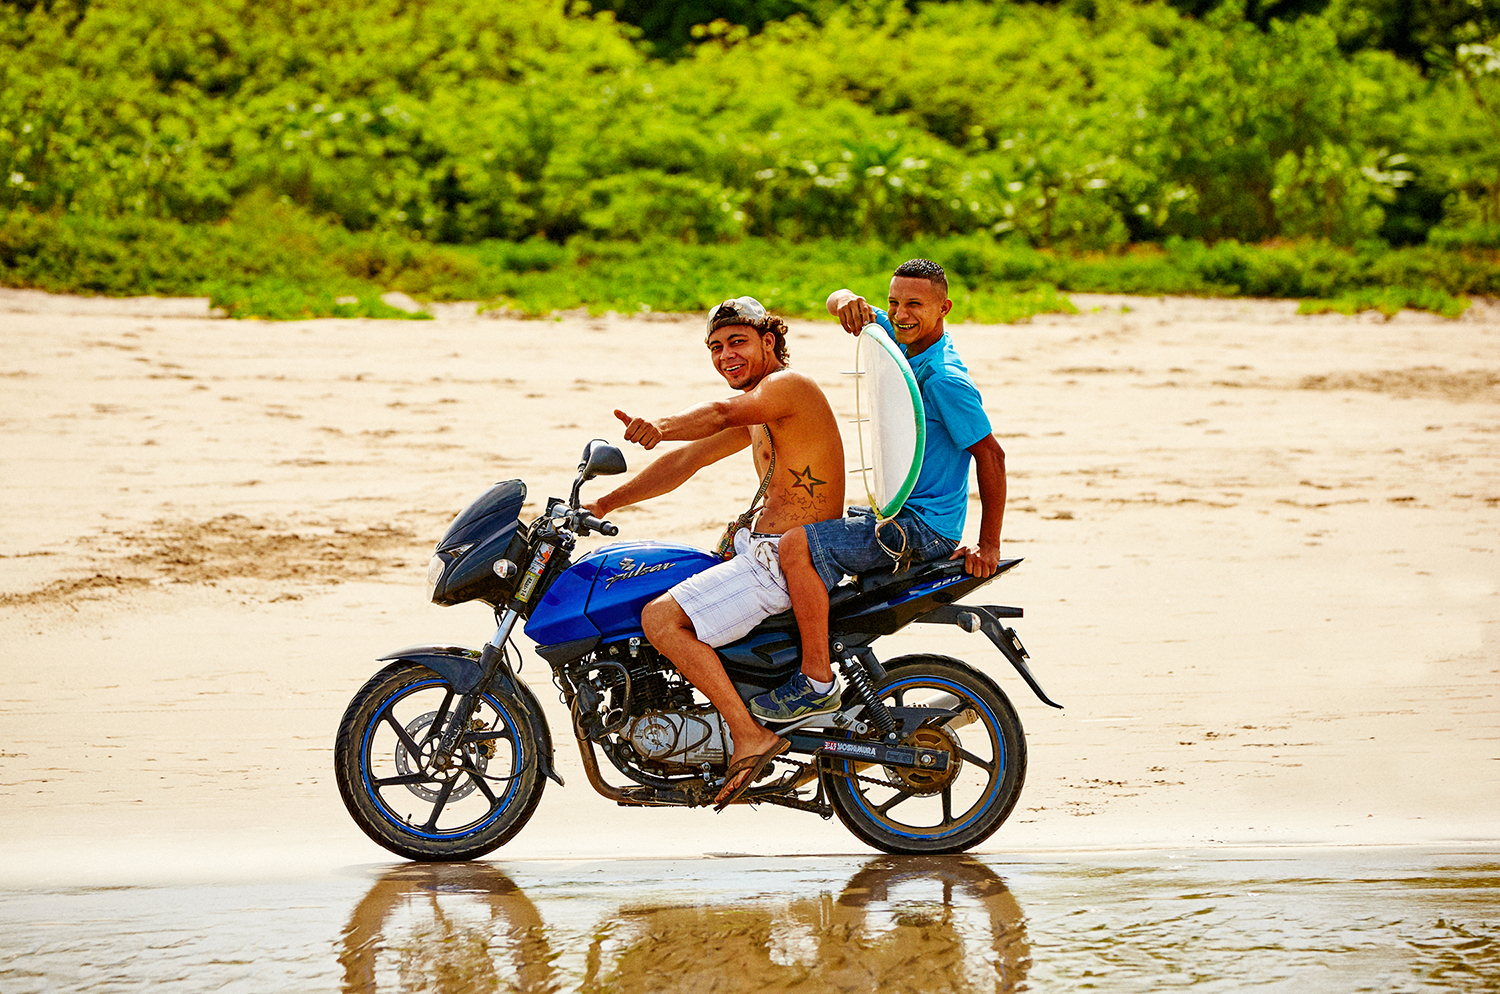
(795, 699)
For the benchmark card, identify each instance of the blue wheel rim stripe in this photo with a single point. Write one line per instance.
(1002, 762)
(395, 819)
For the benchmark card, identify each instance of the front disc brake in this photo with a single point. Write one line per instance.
(475, 755)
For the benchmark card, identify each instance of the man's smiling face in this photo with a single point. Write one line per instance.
(741, 354)
(917, 308)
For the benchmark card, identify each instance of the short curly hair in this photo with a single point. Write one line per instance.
(924, 269)
(777, 327)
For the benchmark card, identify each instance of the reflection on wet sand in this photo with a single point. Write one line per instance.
(457, 927)
(1398, 921)
(912, 923)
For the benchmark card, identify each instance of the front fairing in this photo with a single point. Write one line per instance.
(602, 594)
(483, 532)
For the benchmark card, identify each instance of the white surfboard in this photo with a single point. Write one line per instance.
(892, 423)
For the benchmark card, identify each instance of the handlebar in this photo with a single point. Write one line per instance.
(573, 518)
(591, 523)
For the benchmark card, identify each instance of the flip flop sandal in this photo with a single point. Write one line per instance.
(755, 765)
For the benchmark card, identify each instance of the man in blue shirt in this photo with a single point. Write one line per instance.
(930, 525)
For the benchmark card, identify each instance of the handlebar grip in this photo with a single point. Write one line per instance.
(602, 527)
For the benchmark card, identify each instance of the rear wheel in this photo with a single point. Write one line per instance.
(903, 810)
(411, 802)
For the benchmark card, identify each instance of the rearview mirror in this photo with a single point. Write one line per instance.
(601, 459)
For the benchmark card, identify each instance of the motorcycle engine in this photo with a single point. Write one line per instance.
(630, 695)
(680, 738)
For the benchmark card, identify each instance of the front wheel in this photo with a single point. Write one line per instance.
(909, 811)
(405, 797)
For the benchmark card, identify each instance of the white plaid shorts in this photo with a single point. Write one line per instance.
(725, 601)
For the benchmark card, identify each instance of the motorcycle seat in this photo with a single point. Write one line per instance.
(872, 582)
(886, 576)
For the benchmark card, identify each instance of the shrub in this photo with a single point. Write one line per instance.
(279, 300)
(1477, 235)
(1388, 301)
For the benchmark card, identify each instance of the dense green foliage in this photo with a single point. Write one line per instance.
(275, 259)
(1082, 126)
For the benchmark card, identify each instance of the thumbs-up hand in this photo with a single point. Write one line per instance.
(639, 430)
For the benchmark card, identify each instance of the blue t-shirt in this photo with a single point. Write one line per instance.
(955, 421)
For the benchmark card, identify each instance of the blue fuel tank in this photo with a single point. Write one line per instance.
(603, 592)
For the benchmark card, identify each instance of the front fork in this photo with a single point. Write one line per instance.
(491, 661)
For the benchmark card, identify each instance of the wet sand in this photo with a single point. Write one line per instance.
(1410, 919)
(1261, 575)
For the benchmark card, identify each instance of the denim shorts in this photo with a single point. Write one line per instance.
(848, 546)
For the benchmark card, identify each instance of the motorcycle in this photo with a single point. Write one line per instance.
(443, 754)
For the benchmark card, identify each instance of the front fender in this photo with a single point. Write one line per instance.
(459, 666)
(454, 663)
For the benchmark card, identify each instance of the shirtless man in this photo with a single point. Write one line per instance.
(806, 484)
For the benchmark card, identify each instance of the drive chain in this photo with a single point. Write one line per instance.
(801, 767)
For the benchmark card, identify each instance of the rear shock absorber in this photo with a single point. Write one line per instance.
(852, 665)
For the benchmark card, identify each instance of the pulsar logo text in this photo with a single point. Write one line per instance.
(849, 749)
(630, 569)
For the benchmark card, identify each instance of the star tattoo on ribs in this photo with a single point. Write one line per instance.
(806, 481)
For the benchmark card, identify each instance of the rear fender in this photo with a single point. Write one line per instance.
(973, 617)
(459, 667)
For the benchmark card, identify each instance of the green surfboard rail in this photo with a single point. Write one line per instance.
(881, 332)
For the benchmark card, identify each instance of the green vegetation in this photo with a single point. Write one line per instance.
(283, 156)
(274, 259)
(1389, 301)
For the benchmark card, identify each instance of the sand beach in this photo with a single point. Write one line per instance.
(1260, 574)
